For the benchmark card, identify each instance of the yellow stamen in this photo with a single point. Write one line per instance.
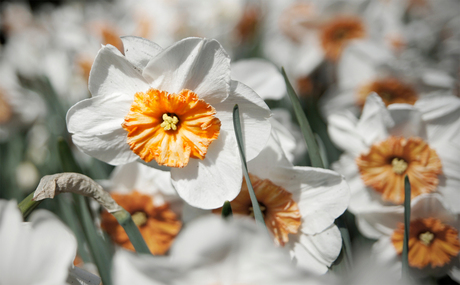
(399, 165)
(139, 218)
(262, 209)
(426, 238)
(169, 122)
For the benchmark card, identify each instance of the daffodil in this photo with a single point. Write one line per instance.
(213, 251)
(39, 252)
(388, 143)
(171, 108)
(434, 239)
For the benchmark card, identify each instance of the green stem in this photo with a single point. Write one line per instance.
(125, 220)
(239, 139)
(227, 210)
(28, 205)
(407, 209)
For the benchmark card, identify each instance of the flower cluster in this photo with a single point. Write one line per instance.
(230, 142)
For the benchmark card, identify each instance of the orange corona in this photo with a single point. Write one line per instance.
(157, 224)
(387, 163)
(281, 213)
(170, 128)
(430, 243)
(391, 90)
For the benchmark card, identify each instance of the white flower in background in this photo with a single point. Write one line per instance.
(19, 107)
(39, 252)
(262, 76)
(148, 195)
(366, 67)
(212, 250)
(434, 240)
(171, 108)
(299, 205)
(300, 35)
(387, 143)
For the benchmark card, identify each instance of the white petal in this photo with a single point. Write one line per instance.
(254, 114)
(380, 222)
(113, 73)
(208, 183)
(407, 121)
(375, 120)
(196, 64)
(260, 75)
(139, 51)
(343, 131)
(316, 253)
(431, 205)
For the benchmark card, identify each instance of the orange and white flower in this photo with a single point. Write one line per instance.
(299, 205)
(434, 236)
(171, 108)
(387, 143)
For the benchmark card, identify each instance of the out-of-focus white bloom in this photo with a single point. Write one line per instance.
(262, 76)
(27, 176)
(367, 66)
(212, 250)
(434, 244)
(185, 112)
(39, 252)
(387, 143)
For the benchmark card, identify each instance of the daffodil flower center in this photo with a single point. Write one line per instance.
(169, 122)
(426, 238)
(431, 242)
(139, 218)
(281, 213)
(399, 165)
(391, 90)
(170, 128)
(383, 167)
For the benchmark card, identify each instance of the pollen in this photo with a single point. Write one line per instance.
(399, 165)
(384, 167)
(391, 90)
(170, 128)
(337, 33)
(281, 213)
(169, 123)
(431, 242)
(158, 225)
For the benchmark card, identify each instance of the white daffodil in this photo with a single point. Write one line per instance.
(39, 252)
(299, 205)
(434, 240)
(387, 143)
(367, 66)
(171, 108)
(212, 250)
(148, 195)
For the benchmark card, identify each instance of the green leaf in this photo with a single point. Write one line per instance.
(239, 139)
(98, 249)
(405, 252)
(227, 210)
(313, 149)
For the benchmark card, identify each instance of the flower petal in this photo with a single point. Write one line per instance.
(375, 120)
(208, 183)
(260, 75)
(343, 132)
(407, 121)
(254, 115)
(200, 65)
(317, 252)
(139, 51)
(113, 73)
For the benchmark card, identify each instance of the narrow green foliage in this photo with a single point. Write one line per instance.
(239, 139)
(227, 210)
(125, 220)
(313, 149)
(97, 247)
(405, 252)
(28, 205)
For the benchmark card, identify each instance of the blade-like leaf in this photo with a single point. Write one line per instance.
(239, 138)
(227, 210)
(313, 149)
(405, 252)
